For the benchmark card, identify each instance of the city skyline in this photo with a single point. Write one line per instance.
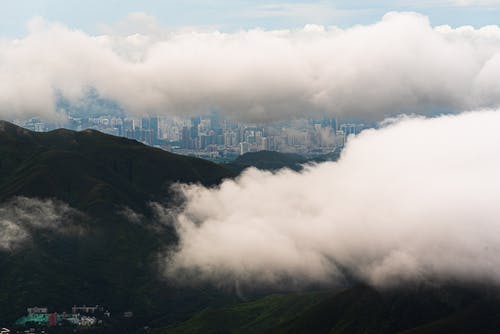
(217, 139)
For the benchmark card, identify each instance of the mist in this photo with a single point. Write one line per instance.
(21, 216)
(413, 201)
(401, 64)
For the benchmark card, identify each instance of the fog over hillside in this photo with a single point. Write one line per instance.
(416, 200)
(401, 64)
(21, 216)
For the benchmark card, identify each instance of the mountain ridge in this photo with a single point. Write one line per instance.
(72, 166)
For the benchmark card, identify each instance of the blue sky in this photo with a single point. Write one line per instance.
(230, 15)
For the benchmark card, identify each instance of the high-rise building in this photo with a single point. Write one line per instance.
(154, 127)
(244, 148)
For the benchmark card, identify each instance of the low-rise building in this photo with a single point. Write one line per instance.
(86, 309)
(37, 310)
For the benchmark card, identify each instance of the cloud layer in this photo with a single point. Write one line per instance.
(400, 64)
(415, 200)
(20, 216)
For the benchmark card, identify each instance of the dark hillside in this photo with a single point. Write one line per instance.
(113, 261)
(359, 309)
(93, 171)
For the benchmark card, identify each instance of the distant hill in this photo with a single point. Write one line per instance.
(267, 160)
(114, 260)
(272, 161)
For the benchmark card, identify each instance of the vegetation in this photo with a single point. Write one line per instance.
(249, 317)
(114, 262)
(93, 171)
(359, 309)
(267, 160)
(272, 161)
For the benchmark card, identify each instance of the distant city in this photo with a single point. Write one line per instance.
(216, 139)
(209, 136)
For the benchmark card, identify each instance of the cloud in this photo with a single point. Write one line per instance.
(416, 200)
(131, 215)
(400, 64)
(20, 216)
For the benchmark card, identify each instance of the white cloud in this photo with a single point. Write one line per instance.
(400, 64)
(415, 200)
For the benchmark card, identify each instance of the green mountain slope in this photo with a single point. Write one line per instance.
(93, 171)
(358, 309)
(248, 317)
(114, 261)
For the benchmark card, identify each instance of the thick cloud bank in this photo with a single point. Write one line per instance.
(415, 200)
(399, 64)
(21, 216)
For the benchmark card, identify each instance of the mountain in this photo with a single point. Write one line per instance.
(267, 160)
(109, 260)
(93, 171)
(358, 309)
(257, 316)
(272, 161)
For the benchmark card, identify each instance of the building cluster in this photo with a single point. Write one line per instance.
(214, 138)
(80, 316)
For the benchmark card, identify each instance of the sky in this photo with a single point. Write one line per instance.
(232, 15)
